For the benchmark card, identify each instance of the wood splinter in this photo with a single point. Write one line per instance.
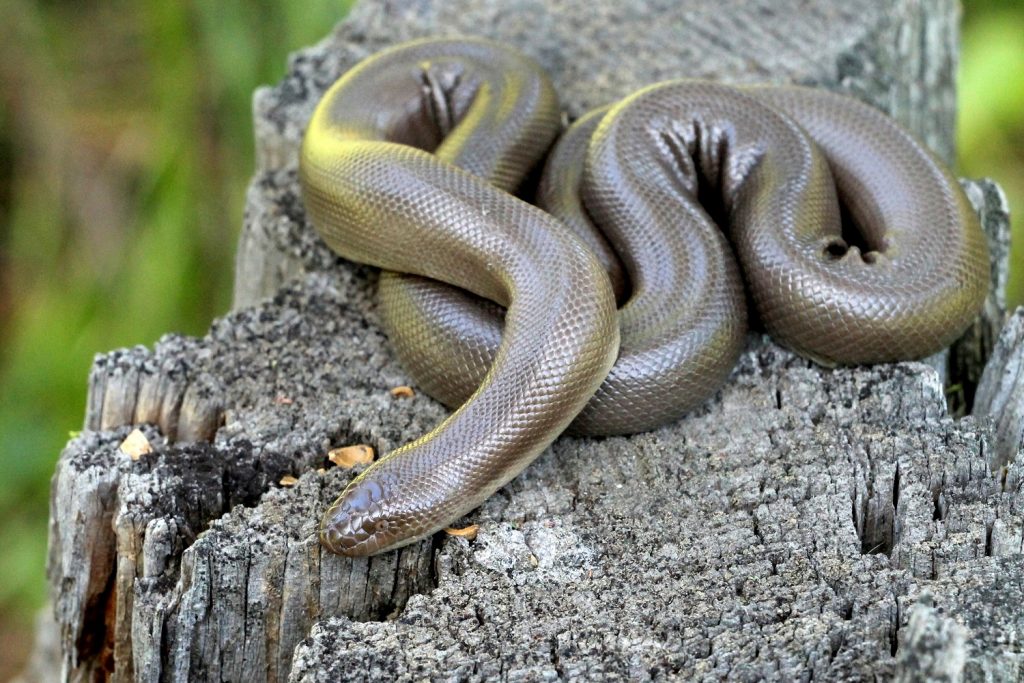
(466, 532)
(350, 456)
(403, 392)
(136, 445)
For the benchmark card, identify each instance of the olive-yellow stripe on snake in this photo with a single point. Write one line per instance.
(636, 190)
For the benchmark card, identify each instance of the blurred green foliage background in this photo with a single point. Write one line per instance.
(125, 149)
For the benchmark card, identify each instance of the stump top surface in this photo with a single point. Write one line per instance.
(788, 529)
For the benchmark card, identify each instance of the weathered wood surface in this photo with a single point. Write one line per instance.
(968, 357)
(1001, 392)
(804, 523)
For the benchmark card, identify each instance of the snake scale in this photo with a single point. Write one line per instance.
(620, 303)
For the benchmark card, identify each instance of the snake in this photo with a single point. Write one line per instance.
(610, 297)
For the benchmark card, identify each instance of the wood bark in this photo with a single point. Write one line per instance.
(804, 523)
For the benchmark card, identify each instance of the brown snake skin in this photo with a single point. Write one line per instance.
(639, 187)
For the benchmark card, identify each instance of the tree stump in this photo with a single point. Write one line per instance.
(804, 523)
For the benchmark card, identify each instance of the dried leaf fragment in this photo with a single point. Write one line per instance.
(403, 392)
(350, 456)
(467, 532)
(288, 480)
(136, 445)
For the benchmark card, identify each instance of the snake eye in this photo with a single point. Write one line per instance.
(381, 526)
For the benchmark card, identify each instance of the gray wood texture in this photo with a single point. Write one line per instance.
(804, 523)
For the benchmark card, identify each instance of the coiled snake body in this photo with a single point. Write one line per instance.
(508, 313)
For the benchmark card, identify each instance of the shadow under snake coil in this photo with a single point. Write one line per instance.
(508, 312)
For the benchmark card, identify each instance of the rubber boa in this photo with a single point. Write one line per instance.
(675, 200)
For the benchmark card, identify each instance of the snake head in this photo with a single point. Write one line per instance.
(361, 523)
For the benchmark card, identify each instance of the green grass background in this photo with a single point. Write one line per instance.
(125, 149)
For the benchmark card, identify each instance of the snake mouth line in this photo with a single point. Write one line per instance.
(347, 534)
